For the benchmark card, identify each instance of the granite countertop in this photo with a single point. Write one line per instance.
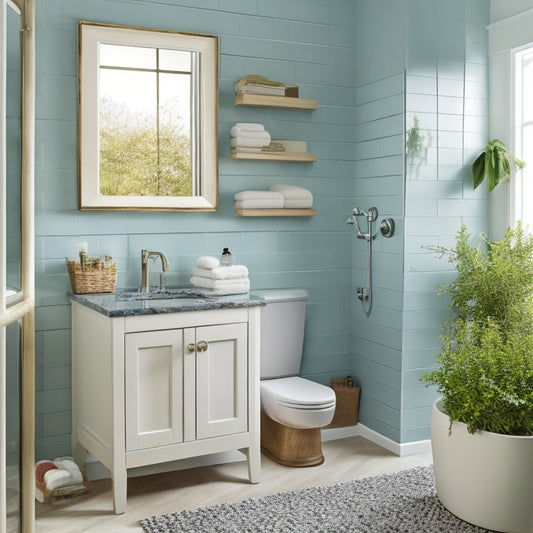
(125, 302)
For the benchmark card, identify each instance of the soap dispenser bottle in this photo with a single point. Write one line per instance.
(226, 259)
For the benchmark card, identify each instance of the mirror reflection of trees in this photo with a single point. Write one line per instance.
(139, 158)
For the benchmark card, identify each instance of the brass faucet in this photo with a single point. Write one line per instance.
(145, 256)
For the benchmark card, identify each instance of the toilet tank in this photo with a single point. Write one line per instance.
(282, 331)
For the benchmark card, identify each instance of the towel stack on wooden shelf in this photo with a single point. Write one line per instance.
(278, 197)
(220, 280)
(252, 137)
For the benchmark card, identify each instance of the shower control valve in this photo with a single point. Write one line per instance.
(362, 293)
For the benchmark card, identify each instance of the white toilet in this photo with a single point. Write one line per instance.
(293, 409)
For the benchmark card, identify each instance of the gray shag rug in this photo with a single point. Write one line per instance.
(403, 502)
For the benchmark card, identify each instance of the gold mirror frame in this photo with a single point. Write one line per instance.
(91, 35)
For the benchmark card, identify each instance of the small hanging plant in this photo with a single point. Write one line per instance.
(495, 163)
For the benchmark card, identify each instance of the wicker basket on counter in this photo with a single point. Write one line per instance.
(94, 277)
(347, 403)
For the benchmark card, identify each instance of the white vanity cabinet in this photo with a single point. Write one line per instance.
(160, 387)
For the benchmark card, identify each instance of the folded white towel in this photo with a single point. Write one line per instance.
(292, 191)
(237, 289)
(222, 272)
(250, 126)
(208, 262)
(298, 203)
(251, 142)
(272, 203)
(257, 195)
(239, 131)
(246, 149)
(221, 284)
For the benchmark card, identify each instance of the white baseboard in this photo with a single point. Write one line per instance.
(96, 470)
(409, 448)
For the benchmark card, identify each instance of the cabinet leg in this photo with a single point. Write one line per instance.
(253, 457)
(120, 490)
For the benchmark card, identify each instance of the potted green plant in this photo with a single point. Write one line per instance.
(495, 163)
(482, 425)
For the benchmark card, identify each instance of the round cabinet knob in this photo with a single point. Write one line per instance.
(202, 346)
(191, 347)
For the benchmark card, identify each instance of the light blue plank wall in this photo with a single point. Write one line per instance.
(425, 60)
(308, 42)
(446, 93)
(315, 43)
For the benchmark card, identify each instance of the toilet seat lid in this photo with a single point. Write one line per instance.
(296, 391)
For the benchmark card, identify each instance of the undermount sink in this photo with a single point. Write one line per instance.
(164, 294)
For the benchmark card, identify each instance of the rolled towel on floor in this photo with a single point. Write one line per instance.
(274, 203)
(251, 142)
(222, 272)
(207, 262)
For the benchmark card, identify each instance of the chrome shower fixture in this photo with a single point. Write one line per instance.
(371, 216)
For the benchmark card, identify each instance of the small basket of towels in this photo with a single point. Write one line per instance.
(60, 478)
(209, 274)
(278, 197)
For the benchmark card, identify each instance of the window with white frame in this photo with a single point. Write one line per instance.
(522, 198)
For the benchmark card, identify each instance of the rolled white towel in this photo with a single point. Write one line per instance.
(251, 142)
(292, 191)
(249, 126)
(222, 272)
(272, 203)
(257, 195)
(298, 203)
(221, 284)
(72, 468)
(207, 262)
(240, 131)
(56, 478)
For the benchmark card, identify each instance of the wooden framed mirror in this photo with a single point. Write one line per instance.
(148, 132)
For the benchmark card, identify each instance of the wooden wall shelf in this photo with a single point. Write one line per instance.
(282, 102)
(302, 157)
(275, 212)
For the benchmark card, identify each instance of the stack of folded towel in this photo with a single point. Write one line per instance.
(252, 137)
(278, 197)
(208, 274)
(294, 197)
(60, 477)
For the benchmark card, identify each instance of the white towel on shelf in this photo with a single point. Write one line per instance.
(240, 285)
(257, 195)
(249, 126)
(292, 191)
(251, 142)
(247, 149)
(207, 262)
(263, 203)
(240, 131)
(298, 203)
(222, 272)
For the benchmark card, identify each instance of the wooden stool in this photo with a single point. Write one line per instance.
(290, 446)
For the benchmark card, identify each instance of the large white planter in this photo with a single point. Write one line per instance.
(483, 478)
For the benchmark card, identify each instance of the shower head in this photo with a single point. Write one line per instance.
(357, 211)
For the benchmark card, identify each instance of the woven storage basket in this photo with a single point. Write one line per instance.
(91, 279)
(62, 492)
(347, 404)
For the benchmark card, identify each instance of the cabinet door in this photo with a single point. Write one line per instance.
(154, 394)
(221, 380)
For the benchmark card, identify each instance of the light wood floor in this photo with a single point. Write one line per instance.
(346, 459)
